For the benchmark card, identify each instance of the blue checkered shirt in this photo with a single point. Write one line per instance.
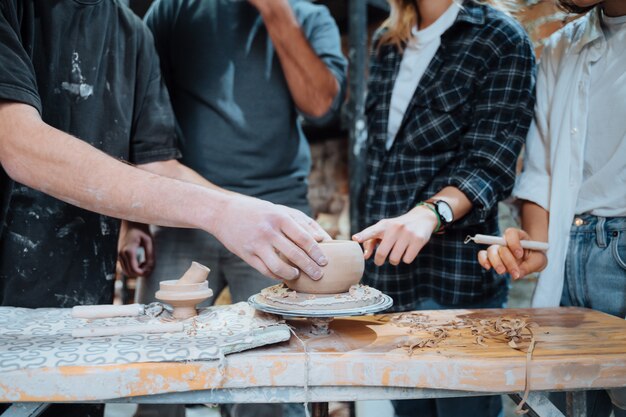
(464, 127)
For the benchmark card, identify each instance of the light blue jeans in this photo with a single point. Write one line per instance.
(485, 406)
(595, 268)
(595, 277)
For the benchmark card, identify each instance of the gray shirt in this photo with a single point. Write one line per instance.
(238, 123)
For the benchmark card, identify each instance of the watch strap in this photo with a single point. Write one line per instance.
(444, 223)
(432, 208)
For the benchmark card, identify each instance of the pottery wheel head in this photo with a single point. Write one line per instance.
(359, 300)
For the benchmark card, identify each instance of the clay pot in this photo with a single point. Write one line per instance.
(344, 269)
(183, 297)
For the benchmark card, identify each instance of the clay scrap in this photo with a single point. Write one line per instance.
(516, 332)
(356, 296)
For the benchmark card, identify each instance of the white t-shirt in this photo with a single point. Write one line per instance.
(602, 191)
(418, 53)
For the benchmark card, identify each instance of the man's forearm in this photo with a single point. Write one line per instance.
(535, 221)
(312, 85)
(176, 170)
(69, 169)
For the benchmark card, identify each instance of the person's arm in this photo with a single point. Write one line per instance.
(174, 169)
(312, 85)
(44, 158)
(484, 171)
(532, 188)
(134, 235)
(402, 238)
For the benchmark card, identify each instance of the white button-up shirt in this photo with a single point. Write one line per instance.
(417, 55)
(555, 150)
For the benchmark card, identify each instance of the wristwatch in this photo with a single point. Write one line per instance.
(444, 211)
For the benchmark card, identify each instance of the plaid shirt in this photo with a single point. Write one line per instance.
(464, 127)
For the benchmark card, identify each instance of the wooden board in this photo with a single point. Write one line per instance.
(576, 349)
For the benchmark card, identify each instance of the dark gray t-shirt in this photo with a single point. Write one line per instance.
(239, 125)
(89, 67)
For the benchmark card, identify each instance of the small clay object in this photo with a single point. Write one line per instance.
(196, 274)
(185, 293)
(183, 297)
(344, 269)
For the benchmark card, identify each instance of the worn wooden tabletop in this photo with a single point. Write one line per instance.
(575, 349)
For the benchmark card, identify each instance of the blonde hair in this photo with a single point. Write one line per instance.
(403, 17)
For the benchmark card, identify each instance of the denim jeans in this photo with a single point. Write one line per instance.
(595, 267)
(595, 277)
(485, 406)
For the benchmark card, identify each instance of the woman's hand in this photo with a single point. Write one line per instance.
(400, 238)
(512, 258)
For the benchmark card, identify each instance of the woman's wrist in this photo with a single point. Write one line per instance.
(428, 211)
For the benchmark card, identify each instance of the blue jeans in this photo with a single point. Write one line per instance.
(595, 277)
(595, 267)
(485, 406)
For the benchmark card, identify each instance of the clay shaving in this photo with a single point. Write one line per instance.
(516, 332)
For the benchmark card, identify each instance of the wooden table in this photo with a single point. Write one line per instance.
(576, 349)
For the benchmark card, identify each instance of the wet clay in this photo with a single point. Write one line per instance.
(357, 296)
(344, 269)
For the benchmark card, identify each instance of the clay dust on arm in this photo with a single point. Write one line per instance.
(37, 155)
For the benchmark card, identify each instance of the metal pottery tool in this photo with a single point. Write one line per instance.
(497, 240)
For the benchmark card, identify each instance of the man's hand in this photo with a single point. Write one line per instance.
(258, 232)
(132, 237)
(255, 230)
(400, 238)
(512, 258)
(307, 223)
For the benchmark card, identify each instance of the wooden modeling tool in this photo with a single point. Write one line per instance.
(128, 329)
(107, 311)
(497, 240)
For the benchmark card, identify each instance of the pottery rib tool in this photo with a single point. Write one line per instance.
(107, 311)
(496, 240)
(129, 329)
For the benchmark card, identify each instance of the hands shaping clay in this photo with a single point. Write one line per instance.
(188, 291)
(345, 268)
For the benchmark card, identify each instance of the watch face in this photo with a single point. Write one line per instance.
(445, 211)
